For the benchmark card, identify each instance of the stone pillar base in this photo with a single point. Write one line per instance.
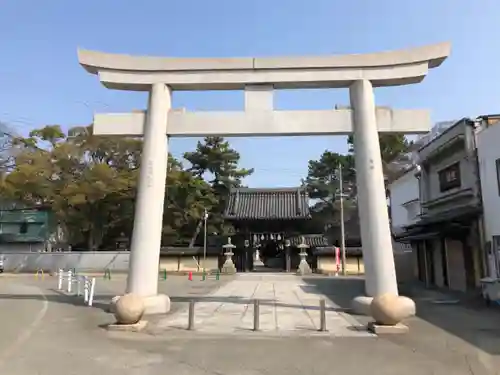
(304, 268)
(157, 304)
(379, 329)
(137, 327)
(228, 268)
(361, 305)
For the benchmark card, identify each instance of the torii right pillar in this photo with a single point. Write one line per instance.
(378, 256)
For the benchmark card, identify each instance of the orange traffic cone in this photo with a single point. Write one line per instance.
(190, 276)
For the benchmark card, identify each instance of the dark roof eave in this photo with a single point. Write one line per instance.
(453, 214)
(238, 218)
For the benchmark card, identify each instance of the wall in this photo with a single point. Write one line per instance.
(466, 194)
(457, 144)
(17, 261)
(456, 265)
(327, 265)
(488, 150)
(188, 263)
(404, 202)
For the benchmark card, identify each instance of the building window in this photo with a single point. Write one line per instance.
(449, 177)
(24, 228)
(497, 165)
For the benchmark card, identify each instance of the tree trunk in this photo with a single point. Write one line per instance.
(196, 233)
(90, 239)
(94, 239)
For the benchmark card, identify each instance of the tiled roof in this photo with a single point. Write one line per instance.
(312, 240)
(267, 204)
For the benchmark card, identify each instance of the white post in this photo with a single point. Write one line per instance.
(92, 291)
(60, 279)
(380, 273)
(78, 286)
(85, 288)
(70, 281)
(146, 237)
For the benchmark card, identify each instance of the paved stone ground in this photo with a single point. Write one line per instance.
(178, 288)
(56, 337)
(288, 306)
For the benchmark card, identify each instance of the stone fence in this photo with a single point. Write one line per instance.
(80, 260)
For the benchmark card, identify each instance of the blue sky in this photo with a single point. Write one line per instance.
(42, 83)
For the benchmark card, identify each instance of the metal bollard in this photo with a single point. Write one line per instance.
(191, 316)
(256, 314)
(322, 315)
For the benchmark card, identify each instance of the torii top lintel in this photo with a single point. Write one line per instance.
(138, 73)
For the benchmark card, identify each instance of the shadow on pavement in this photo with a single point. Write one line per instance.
(339, 290)
(468, 318)
(467, 321)
(60, 297)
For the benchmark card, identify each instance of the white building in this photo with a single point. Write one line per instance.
(405, 209)
(488, 152)
(439, 214)
(404, 201)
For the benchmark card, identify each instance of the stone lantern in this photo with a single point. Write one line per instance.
(228, 266)
(256, 246)
(288, 263)
(247, 256)
(304, 268)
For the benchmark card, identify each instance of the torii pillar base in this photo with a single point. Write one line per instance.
(158, 304)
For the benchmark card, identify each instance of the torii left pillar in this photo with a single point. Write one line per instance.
(148, 219)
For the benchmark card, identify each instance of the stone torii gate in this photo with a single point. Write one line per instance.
(259, 77)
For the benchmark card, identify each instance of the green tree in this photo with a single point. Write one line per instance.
(8, 148)
(323, 179)
(216, 157)
(323, 184)
(84, 179)
(215, 160)
(393, 147)
(90, 184)
(187, 198)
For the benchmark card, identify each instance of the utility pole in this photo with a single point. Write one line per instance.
(342, 229)
(205, 217)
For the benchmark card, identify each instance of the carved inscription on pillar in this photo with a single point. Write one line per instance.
(149, 174)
